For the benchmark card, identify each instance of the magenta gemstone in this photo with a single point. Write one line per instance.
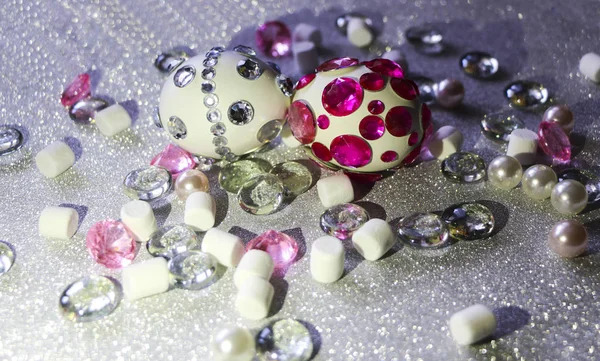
(174, 159)
(399, 121)
(413, 139)
(79, 89)
(281, 247)
(412, 156)
(342, 97)
(385, 67)
(425, 116)
(337, 63)
(320, 151)
(371, 127)
(111, 244)
(274, 39)
(364, 178)
(305, 80)
(323, 121)
(351, 151)
(389, 156)
(404, 88)
(302, 122)
(554, 141)
(372, 81)
(376, 107)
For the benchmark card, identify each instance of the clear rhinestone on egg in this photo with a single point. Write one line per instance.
(244, 50)
(269, 131)
(184, 76)
(285, 84)
(177, 128)
(211, 100)
(168, 61)
(219, 49)
(249, 69)
(261, 194)
(209, 73)
(240, 112)
(7, 257)
(212, 54)
(342, 220)
(208, 86)
(469, 221)
(210, 62)
(463, 167)
(222, 151)
(286, 339)
(156, 118)
(203, 164)
(219, 141)
(218, 129)
(193, 270)
(213, 115)
(171, 240)
(89, 299)
(147, 183)
(11, 139)
(274, 66)
(423, 230)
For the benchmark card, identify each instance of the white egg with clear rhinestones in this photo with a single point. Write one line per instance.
(224, 104)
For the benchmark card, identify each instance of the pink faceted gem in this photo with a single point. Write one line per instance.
(320, 151)
(79, 89)
(342, 97)
(302, 122)
(174, 159)
(274, 39)
(323, 121)
(281, 247)
(371, 127)
(111, 244)
(389, 156)
(351, 151)
(554, 141)
(305, 80)
(385, 67)
(337, 63)
(399, 121)
(404, 88)
(372, 81)
(376, 107)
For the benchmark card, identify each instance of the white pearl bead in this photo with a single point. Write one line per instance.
(233, 344)
(568, 238)
(569, 197)
(538, 181)
(505, 172)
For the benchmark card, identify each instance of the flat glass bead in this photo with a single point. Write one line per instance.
(469, 221)
(269, 131)
(172, 240)
(84, 111)
(193, 270)
(526, 94)
(234, 175)
(11, 139)
(423, 230)
(479, 64)
(89, 299)
(296, 178)
(7, 257)
(342, 220)
(425, 39)
(463, 167)
(147, 183)
(284, 340)
(261, 194)
(498, 126)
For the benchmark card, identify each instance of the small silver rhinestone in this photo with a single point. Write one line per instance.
(208, 86)
(211, 100)
(209, 62)
(218, 129)
(184, 76)
(245, 50)
(208, 73)
(214, 115)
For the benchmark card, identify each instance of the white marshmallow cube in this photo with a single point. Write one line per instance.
(397, 57)
(373, 239)
(522, 144)
(138, 216)
(447, 140)
(112, 120)
(472, 324)
(589, 65)
(254, 298)
(359, 33)
(227, 248)
(306, 57)
(145, 279)
(327, 259)
(288, 138)
(55, 159)
(58, 222)
(254, 263)
(334, 190)
(200, 211)
(307, 32)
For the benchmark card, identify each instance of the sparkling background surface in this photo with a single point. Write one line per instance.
(394, 309)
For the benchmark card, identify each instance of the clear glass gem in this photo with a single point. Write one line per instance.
(230, 157)
(220, 49)
(218, 129)
(423, 230)
(426, 89)
(425, 39)
(498, 126)
(284, 340)
(193, 270)
(89, 299)
(208, 86)
(469, 221)
(274, 66)
(219, 141)
(214, 115)
(261, 194)
(156, 118)
(285, 84)
(341, 23)
(479, 64)
(177, 128)
(589, 179)
(240, 112)
(172, 240)
(209, 73)
(342, 220)
(463, 167)
(249, 69)
(7, 257)
(211, 100)
(166, 62)
(203, 164)
(296, 178)
(526, 94)
(269, 131)
(282, 248)
(234, 175)
(210, 62)
(11, 139)
(147, 183)
(244, 50)
(84, 111)
(184, 76)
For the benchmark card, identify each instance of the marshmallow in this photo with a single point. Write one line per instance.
(58, 222)
(200, 210)
(306, 32)
(288, 138)
(447, 140)
(255, 263)
(55, 159)
(472, 324)
(233, 344)
(397, 57)
(589, 65)
(306, 57)
(334, 190)
(359, 33)
(227, 248)
(139, 218)
(145, 279)
(327, 259)
(254, 298)
(522, 144)
(113, 120)
(373, 239)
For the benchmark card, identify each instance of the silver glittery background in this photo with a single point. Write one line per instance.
(395, 309)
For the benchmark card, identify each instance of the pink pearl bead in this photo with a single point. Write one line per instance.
(568, 238)
(190, 181)
(562, 115)
(449, 93)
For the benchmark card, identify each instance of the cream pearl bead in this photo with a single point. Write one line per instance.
(569, 197)
(504, 172)
(233, 344)
(562, 115)
(568, 238)
(190, 181)
(449, 93)
(538, 181)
